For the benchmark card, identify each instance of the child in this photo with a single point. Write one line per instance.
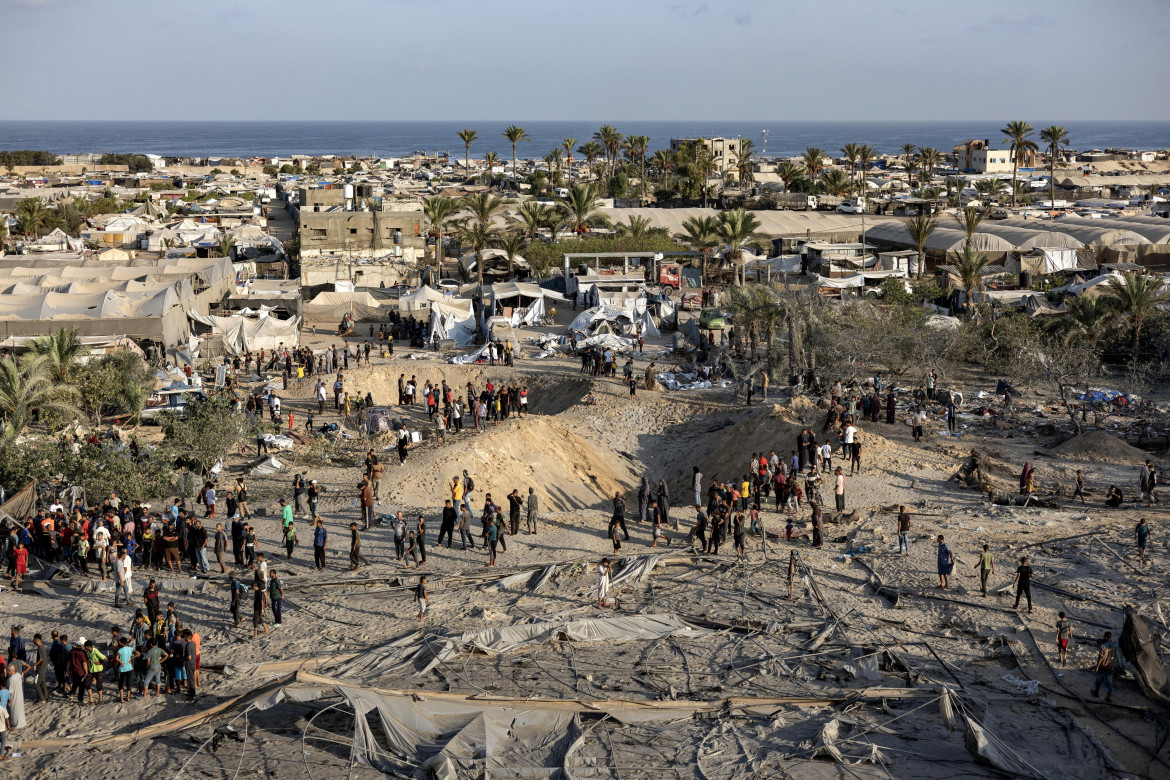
(737, 532)
(1063, 637)
(604, 581)
(421, 597)
(788, 530)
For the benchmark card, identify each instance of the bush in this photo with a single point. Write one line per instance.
(28, 157)
(137, 163)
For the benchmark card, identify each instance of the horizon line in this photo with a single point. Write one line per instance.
(602, 121)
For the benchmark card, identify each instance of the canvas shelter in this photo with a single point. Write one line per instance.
(330, 307)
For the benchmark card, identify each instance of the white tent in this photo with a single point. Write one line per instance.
(422, 298)
(238, 334)
(453, 324)
(330, 307)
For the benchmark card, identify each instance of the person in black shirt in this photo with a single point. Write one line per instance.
(1023, 583)
(447, 524)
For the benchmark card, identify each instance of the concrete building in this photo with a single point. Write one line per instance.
(977, 156)
(724, 151)
(371, 234)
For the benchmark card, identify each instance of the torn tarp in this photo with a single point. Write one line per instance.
(1137, 647)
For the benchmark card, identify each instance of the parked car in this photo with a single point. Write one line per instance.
(852, 207)
(711, 319)
(175, 402)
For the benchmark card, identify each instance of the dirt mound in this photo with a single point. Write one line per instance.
(1100, 446)
(567, 471)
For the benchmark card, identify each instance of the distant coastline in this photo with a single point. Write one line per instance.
(400, 138)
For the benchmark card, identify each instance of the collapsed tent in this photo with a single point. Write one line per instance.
(632, 320)
(238, 334)
(521, 303)
(453, 324)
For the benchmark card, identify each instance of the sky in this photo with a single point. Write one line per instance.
(536, 60)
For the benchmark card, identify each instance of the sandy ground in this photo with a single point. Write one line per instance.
(576, 456)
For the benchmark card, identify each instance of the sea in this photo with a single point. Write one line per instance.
(401, 138)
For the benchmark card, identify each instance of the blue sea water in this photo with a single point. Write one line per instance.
(393, 139)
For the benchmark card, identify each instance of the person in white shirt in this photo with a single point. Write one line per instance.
(101, 544)
(261, 569)
(850, 432)
(826, 457)
(123, 571)
(839, 489)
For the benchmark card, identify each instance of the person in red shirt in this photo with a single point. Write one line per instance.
(21, 564)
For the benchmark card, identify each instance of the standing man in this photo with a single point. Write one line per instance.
(1023, 583)
(376, 472)
(237, 595)
(123, 572)
(952, 415)
(366, 496)
(903, 530)
(533, 511)
(259, 604)
(446, 524)
(468, 487)
(1148, 483)
(986, 567)
(514, 505)
(697, 485)
(320, 539)
(275, 597)
(421, 598)
(355, 548)
(946, 562)
(839, 488)
(220, 547)
(238, 540)
(40, 669)
(1142, 534)
(619, 516)
(1106, 657)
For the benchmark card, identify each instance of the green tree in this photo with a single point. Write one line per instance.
(635, 226)
(31, 216)
(468, 137)
(969, 219)
(533, 217)
(226, 244)
(581, 210)
(865, 154)
(1018, 134)
(590, 150)
(929, 158)
(851, 152)
(480, 229)
(62, 350)
(835, 182)
(511, 244)
(921, 227)
(745, 162)
(970, 263)
(1137, 297)
(788, 173)
(700, 234)
(990, 190)
(813, 160)
(739, 230)
(439, 211)
(1088, 317)
(515, 134)
(1055, 138)
(208, 430)
(636, 146)
(568, 145)
(491, 161)
(112, 385)
(28, 387)
(611, 141)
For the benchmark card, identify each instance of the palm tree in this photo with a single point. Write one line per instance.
(865, 153)
(511, 244)
(744, 162)
(515, 135)
(911, 166)
(835, 182)
(62, 349)
(31, 216)
(636, 146)
(921, 227)
(663, 160)
(532, 218)
(491, 161)
(591, 150)
(1018, 133)
(225, 245)
(636, 226)
(701, 234)
(483, 206)
(610, 140)
(479, 235)
(1088, 316)
(581, 211)
(814, 162)
(1136, 297)
(439, 211)
(971, 263)
(908, 151)
(852, 152)
(27, 386)
(468, 137)
(739, 230)
(788, 173)
(990, 189)
(1055, 137)
(929, 158)
(969, 219)
(568, 145)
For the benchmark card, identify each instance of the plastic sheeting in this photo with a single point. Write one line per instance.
(424, 656)
(330, 307)
(1140, 650)
(453, 324)
(239, 334)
